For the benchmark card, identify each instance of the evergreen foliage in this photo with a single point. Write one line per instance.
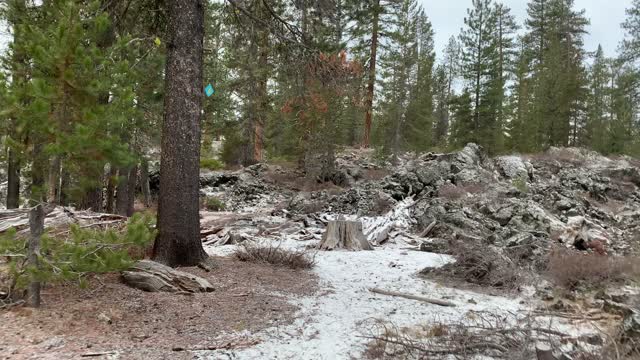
(82, 252)
(82, 87)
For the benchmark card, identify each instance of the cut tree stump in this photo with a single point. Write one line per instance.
(151, 276)
(342, 234)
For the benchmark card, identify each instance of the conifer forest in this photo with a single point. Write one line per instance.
(318, 179)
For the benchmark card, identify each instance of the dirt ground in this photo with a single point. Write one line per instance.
(111, 317)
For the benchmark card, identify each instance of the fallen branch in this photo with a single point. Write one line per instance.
(428, 230)
(96, 354)
(205, 233)
(221, 346)
(412, 297)
(12, 304)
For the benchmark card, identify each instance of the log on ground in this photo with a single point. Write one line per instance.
(155, 277)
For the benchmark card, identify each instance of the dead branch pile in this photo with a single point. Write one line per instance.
(479, 264)
(481, 335)
(275, 255)
(57, 217)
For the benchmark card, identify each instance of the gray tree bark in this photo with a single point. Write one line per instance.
(36, 225)
(178, 242)
(342, 234)
(122, 194)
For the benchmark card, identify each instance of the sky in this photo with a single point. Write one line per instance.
(447, 17)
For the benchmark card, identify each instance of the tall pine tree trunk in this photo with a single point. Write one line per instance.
(131, 190)
(38, 171)
(13, 180)
(178, 241)
(144, 183)
(122, 194)
(111, 188)
(368, 117)
(262, 78)
(54, 180)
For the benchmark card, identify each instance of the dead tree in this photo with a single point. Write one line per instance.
(343, 234)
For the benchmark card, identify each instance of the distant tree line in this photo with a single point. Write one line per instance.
(82, 87)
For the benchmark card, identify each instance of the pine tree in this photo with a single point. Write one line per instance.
(521, 126)
(558, 81)
(372, 22)
(178, 241)
(479, 68)
(631, 25)
(597, 126)
(419, 130)
(445, 77)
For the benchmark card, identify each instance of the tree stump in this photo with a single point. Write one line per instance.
(154, 277)
(342, 234)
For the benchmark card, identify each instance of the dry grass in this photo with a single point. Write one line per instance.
(274, 255)
(312, 207)
(570, 268)
(480, 264)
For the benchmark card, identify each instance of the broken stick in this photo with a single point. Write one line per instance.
(412, 297)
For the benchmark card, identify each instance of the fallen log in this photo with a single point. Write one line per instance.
(412, 297)
(155, 277)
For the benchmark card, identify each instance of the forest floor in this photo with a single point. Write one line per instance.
(334, 322)
(113, 319)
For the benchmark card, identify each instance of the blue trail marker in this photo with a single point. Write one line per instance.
(209, 90)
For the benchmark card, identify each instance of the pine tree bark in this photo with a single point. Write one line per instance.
(54, 180)
(372, 76)
(122, 194)
(131, 190)
(144, 183)
(13, 180)
(38, 171)
(111, 188)
(178, 242)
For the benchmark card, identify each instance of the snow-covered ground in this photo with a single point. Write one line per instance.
(331, 324)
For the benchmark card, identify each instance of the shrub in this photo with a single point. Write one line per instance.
(274, 255)
(213, 203)
(82, 252)
(570, 268)
(211, 164)
(480, 264)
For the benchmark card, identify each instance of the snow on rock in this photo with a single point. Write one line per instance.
(331, 323)
(513, 167)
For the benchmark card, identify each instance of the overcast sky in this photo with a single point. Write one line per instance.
(606, 16)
